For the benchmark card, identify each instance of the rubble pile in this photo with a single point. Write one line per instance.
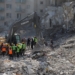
(68, 49)
(58, 62)
(24, 67)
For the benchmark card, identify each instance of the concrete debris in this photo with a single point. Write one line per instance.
(60, 61)
(55, 64)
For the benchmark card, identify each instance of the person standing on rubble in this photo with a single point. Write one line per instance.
(35, 40)
(20, 47)
(10, 53)
(51, 44)
(1, 47)
(7, 49)
(3, 50)
(17, 50)
(23, 48)
(32, 43)
(14, 49)
(28, 42)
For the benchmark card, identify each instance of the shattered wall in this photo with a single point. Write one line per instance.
(55, 14)
(68, 14)
(57, 2)
(59, 15)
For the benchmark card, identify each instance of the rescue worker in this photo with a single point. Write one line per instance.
(35, 40)
(20, 47)
(10, 53)
(17, 50)
(3, 50)
(14, 49)
(32, 43)
(1, 47)
(7, 49)
(23, 48)
(51, 41)
(51, 44)
(28, 42)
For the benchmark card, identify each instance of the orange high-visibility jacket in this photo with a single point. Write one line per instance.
(3, 49)
(10, 51)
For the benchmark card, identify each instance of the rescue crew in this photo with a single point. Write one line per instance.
(7, 49)
(51, 44)
(10, 53)
(20, 47)
(14, 49)
(3, 50)
(35, 40)
(23, 48)
(17, 50)
(32, 43)
(1, 47)
(28, 42)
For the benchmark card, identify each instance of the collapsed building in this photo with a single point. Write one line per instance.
(56, 18)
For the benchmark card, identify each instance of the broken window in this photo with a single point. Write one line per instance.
(18, 16)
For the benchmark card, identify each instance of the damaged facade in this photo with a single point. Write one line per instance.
(58, 16)
(40, 5)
